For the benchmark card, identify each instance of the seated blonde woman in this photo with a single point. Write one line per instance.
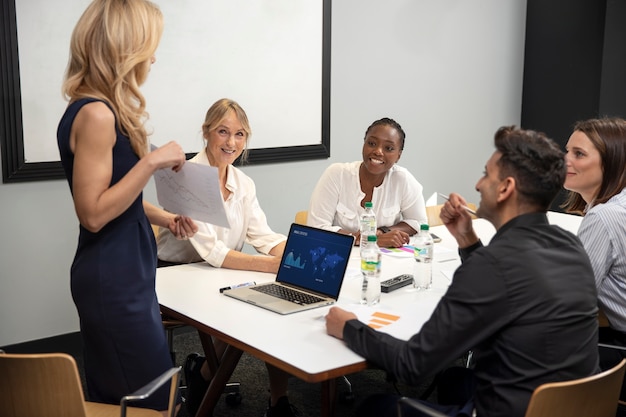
(227, 131)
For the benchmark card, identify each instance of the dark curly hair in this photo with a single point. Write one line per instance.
(535, 161)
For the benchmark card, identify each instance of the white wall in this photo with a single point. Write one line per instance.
(449, 71)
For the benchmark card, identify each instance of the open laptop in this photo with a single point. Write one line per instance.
(311, 272)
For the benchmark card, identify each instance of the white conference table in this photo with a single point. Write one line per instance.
(298, 343)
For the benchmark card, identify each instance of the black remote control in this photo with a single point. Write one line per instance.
(394, 283)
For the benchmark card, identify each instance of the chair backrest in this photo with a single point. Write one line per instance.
(593, 396)
(432, 212)
(301, 217)
(155, 230)
(35, 385)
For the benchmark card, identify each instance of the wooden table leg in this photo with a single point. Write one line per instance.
(221, 374)
(210, 353)
(329, 397)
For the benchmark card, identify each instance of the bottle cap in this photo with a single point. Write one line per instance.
(424, 226)
(371, 238)
(369, 204)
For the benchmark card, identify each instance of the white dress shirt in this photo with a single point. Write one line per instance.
(248, 224)
(336, 200)
(603, 234)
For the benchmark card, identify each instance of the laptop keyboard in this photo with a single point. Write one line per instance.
(288, 294)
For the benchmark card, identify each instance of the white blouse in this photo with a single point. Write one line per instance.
(248, 224)
(336, 200)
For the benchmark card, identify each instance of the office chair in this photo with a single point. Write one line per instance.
(33, 385)
(592, 396)
(432, 212)
(301, 217)
(601, 317)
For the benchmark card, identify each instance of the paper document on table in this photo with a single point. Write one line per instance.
(392, 322)
(353, 272)
(443, 254)
(194, 191)
(448, 273)
(406, 251)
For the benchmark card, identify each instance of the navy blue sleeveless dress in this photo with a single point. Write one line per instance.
(113, 287)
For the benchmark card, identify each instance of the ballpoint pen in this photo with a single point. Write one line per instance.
(469, 210)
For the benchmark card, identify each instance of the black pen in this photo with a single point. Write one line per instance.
(230, 287)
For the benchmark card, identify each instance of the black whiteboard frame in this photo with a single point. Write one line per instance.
(14, 165)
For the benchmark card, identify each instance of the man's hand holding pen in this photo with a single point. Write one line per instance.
(455, 215)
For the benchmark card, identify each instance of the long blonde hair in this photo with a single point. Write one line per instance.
(110, 56)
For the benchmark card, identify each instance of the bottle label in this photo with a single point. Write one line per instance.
(368, 225)
(369, 266)
(423, 251)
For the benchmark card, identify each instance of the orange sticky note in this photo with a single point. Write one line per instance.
(381, 322)
(385, 316)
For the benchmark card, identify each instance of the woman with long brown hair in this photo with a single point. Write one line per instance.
(596, 179)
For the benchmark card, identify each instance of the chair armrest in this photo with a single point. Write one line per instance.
(172, 374)
(405, 402)
(616, 347)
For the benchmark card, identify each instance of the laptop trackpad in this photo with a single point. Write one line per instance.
(262, 299)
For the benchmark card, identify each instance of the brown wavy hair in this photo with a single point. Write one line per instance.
(110, 56)
(608, 136)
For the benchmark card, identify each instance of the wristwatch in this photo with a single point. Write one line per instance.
(384, 229)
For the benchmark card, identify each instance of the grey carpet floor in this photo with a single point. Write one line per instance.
(252, 376)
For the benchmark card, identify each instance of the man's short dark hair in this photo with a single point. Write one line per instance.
(534, 160)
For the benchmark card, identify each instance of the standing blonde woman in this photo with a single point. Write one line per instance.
(104, 152)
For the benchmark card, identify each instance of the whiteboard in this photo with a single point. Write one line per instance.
(271, 56)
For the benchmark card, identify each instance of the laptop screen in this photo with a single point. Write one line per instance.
(315, 259)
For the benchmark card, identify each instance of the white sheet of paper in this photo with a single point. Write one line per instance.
(406, 251)
(448, 273)
(443, 254)
(400, 327)
(194, 191)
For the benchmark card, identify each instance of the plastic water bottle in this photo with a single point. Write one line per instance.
(368, 222)
(423, 253)
(370, 268)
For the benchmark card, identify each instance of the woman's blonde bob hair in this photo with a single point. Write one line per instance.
(111, 50)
